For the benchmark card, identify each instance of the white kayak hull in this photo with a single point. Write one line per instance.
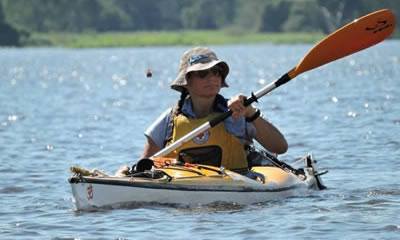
(93, 195)
(227, 187)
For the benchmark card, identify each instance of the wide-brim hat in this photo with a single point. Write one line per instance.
(197, 59)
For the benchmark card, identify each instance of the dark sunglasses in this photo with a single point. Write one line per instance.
(215, 71)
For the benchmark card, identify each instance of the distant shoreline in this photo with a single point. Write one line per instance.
(164, 38)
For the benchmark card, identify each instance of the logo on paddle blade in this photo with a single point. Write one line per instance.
(379, 26)
(202, 137)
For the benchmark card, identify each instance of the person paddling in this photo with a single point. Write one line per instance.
(200, 79)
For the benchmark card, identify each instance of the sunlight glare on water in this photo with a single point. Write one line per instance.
(63, 107)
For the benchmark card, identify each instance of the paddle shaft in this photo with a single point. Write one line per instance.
(351, 38)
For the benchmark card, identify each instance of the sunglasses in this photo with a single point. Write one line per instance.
(215, 71)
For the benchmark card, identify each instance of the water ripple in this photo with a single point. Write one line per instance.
(12, 190)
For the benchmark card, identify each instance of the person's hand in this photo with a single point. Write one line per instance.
(122, 171)
(238, 109)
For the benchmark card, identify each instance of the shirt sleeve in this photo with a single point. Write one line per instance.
(158, 130)
(251, 131)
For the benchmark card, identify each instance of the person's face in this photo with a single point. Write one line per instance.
(205, 83)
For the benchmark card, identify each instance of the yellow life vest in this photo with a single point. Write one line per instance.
(234, 156)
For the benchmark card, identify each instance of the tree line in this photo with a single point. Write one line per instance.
(20, 17)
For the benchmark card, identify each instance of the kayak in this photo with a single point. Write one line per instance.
(194, 184)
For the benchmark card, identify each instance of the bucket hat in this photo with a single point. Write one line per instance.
(197, 59)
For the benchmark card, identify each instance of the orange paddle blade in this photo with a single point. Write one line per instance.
(353, 37)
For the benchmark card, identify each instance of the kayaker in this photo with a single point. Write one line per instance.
(200, 78)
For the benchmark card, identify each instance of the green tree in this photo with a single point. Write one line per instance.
(248, 16)
(275, 15)
(145, 15)
(1, 12)
(50, 15)
(111, 17)
(305, 16)
(207, 14)
(9, 36)
(170, 17)
(337, 13)
(135, 15)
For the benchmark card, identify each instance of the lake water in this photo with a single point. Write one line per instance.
(63, 107)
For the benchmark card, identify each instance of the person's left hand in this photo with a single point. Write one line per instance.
(237, 107)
